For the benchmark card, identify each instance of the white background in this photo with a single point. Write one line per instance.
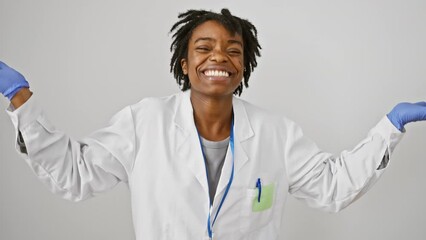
(335, 67)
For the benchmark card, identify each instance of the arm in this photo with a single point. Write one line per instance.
(332, 182)
(21, 97)
(73, 169)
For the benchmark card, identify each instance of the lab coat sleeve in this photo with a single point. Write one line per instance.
(330, 182)
(73, 169)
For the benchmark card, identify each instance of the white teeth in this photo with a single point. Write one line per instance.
(216, 73)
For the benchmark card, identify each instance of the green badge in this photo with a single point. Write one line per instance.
(266, 198)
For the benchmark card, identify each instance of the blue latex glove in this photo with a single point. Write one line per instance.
(11, 81)
(404, 113)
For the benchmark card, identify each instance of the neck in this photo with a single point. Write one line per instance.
(212, 116)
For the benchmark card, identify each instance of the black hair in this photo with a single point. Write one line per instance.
(190, 20)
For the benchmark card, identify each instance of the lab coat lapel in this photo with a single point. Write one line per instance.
(188, 144)
(242, 132)
(189, 149)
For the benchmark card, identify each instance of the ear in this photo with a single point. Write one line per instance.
(184, 65)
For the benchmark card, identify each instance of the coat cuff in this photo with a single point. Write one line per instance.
(25, 114)
(391, 135)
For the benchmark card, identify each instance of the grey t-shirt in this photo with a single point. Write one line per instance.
(214, 153)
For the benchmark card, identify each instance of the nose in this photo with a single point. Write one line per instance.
(217, 55)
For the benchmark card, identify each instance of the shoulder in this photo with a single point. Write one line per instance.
(156, 105)
(270, 125)
(262, 116)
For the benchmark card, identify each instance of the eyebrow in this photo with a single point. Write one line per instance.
(212, 40)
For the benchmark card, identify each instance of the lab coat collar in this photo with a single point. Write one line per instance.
(189, 146)
(184, 117)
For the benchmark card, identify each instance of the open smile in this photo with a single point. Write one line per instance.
(216, 73)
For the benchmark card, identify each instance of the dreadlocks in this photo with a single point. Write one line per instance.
(193, 18)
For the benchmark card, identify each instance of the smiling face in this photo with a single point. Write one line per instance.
(215, 60)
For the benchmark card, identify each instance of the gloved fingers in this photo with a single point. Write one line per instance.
(2, 65)
(422, 113)
(423, 104)
(419, 111)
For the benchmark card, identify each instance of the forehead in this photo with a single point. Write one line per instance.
(213, 30)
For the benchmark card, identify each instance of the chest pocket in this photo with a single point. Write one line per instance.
(257, 212)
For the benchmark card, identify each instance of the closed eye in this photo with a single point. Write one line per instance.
(202, 49)
(234, 52)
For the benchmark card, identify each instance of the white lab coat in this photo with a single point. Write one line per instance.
(154, 147)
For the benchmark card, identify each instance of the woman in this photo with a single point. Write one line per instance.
(203, 163)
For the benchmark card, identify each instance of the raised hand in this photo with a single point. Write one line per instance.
(11, 81)
(404, 113)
